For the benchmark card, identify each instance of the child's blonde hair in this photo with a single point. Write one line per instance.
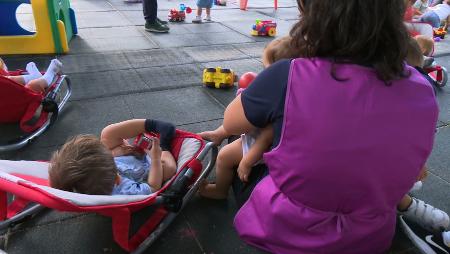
(83, 165)
(278, 49)
(414, 56)
(426, 44)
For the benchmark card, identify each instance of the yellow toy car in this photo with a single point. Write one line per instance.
(218, 77)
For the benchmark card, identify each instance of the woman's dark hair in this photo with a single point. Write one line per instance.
(367, 32)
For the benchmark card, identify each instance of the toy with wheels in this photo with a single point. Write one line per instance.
(246, 79)
(439, 32)
(438, 74)
(218, 77)
(55, 26)
(264, 28)
(179, 15)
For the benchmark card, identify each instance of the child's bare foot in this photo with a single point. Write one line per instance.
(244, 171)
(209, 190)
(212, 136)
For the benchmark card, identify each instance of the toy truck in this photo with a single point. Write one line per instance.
(264, 28)
(218, 77)
(180, 14)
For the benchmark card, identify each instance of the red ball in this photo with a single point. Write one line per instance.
(246, 79)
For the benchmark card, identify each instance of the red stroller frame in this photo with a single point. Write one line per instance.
(35, 112)
(32, 195)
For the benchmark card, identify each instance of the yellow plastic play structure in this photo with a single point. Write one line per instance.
(55, 26)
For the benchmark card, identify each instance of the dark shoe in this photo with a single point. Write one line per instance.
(156, 28)
(162, 22)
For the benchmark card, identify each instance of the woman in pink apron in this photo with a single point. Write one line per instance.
(353, 126)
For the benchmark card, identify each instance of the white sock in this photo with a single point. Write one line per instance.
(33, 73)
(33, 70)
(53, 69)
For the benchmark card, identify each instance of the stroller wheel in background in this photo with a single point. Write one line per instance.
(439, 74)
(444, 77)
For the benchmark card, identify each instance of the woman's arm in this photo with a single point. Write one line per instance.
(234, 121)
(114, 134)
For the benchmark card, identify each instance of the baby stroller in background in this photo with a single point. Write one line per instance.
(27, 182)
(437, 72)
(33, 112)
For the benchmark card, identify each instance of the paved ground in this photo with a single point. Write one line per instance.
(119, 72)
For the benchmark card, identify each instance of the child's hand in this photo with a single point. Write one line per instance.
(244, 171)
(155, 151)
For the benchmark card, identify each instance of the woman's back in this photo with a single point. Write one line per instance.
(349, 151)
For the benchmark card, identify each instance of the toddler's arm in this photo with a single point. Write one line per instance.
(114, 134)
(255, 153)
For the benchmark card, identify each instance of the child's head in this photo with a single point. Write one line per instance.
(83, 165)
(426, 44)
(278, 49)
(414, 56)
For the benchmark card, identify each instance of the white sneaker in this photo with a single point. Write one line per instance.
(197, 19)
(208, 18)
(427, 216)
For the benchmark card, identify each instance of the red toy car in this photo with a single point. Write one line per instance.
(179, 15)
(264, 28)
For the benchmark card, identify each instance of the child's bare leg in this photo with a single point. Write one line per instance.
(404, 203)
(199, 11)
(208, 14)
(38, 85)
(228, 158)
(17, 79)
(168, 164)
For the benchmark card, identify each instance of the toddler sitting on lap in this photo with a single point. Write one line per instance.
(232, 154)
(110, 166)
(34, 80)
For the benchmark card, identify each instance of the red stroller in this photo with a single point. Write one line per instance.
(24, 191)
(35, 112)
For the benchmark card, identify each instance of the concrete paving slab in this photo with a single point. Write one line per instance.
(96, 45)
(222, 15)
(181, 106)
(252, 49)
(281, 13)
(214, 53)
(442, 48)
(90, 6)
(87, 234)
(443, 94)
(106, 84)
(101, 19)
(215, 228)
(108, 32)
(435, 191)
(121, 5)
(158, 57)
(174, 40)
(224, 38)
(208, 27)
(439, 161)
(85, 117)
(94, 62)
(160, 78)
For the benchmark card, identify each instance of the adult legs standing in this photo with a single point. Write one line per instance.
(152, 23)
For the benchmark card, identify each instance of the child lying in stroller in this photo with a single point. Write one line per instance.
(34, 80)
(110, 165)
